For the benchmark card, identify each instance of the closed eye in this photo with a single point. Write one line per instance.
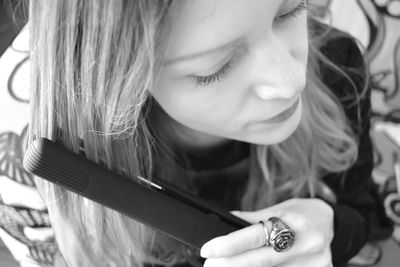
(206, 80)
(222, 73)
(303, 5)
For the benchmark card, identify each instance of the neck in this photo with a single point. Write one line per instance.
(193, 140)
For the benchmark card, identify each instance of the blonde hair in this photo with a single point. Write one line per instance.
(93, 63)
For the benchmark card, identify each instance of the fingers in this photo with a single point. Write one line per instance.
(248, 238)
(320, 260)
(307, 241)
(254, 216)
(239, 241)
(264, 256)
(245, 247)
(267, 257)
(296, 221)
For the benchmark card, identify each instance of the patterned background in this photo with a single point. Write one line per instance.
(24, 222)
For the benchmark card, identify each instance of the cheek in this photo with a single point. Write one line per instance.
(174, 103)
(189, 106)
(301, 47)
(295, 36)
(301, 52)
(299, 61)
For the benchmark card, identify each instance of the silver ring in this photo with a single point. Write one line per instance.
(281, 237)
(267, 244)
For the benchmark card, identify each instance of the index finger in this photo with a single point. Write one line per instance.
(254, 237)
(264, 256)
(250, 237)
(247, 238)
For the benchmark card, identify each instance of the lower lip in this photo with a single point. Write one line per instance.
(284, 115)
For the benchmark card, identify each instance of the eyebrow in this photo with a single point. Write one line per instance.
(209, 52)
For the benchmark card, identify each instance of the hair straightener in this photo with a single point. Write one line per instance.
(158, 204)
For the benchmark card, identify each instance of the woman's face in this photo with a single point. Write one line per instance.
(230, 66)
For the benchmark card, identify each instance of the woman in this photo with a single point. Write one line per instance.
(253, 106)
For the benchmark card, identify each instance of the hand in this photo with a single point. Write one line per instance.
(311, 219)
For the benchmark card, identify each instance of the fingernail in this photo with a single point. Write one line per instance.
(206, 252)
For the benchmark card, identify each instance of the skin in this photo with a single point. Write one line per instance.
(269, 53)
(267, 50)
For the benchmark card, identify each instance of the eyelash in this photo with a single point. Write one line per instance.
(294, 13)
(206, 80)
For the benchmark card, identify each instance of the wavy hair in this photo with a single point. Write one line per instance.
(92, 65)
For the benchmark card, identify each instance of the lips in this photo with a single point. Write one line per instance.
(285, 114)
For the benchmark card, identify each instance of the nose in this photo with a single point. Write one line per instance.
(269, 92)
(278, 75)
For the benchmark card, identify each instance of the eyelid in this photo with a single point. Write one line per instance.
(206, 80)
(227, 60)
(222, 72)
(292, 11)
(225, 67)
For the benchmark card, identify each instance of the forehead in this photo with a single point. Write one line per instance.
(199, 25)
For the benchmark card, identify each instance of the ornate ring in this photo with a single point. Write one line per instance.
(281, 237)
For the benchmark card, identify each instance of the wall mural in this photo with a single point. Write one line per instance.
(23, 216)
(383, 53)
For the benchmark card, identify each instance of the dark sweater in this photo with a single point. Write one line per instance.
(220, 175)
